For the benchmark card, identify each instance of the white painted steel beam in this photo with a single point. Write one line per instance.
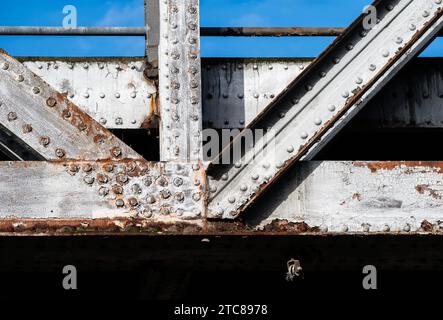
(180, 81)
(356, 197)
(101, 189)
(324, 98)
(45, 121)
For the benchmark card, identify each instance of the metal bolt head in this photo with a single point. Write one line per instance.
(133, 202)
(119, 203)
(51, 102)
(119, 121)
(117, 189)
(101, 178)
(103, 191)
(87, 167)
(12, 116)
(27, 128)
(179, 196)
(178, 182)
(88, 179)
(122, 179)
(45, 141)
(5, 66)
(165, 194)
(150, 199)
(60, 153)
(116, 152)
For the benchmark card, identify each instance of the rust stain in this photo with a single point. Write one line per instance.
(424, 188)
(376, 166)
(152, 119)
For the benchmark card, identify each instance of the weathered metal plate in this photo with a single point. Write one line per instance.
(356, 197)
(114, 92)
(44, 120)
(101, 189)
(324, 98)
(180, 81)
(236, 90)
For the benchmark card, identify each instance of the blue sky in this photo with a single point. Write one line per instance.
(213, 13)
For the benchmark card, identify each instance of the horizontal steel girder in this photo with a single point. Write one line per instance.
(355, 197)
(318, 198)
(45, 121)
(101, 189)
(314, 107)
(234, 91)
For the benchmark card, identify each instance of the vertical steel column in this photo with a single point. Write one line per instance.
(180, 81)
(152, 22)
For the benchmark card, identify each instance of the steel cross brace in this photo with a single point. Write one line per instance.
(318, 103)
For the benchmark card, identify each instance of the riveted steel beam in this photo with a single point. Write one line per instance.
(114, 92)
(355, 197)
(317, 104)
(180, 81)
(45, 121)
(101, 189)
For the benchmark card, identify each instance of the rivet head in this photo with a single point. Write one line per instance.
(386, 228)
(244, 188)
(122, 179)
(196, 196)
(398, 40)
(147, 181)
(150, 199)
(117, 95)
(133, 202)
(225, 177)
(117, 189)
(331, 108)
(116, 152)
(103, 191)
(36, 90)
(5, 66)
(359, 80)
(88, 179)
(103, 179)
(20, 78)
(27, 128)
(317, 121)
(412, 27)
(87, 167)
(45, 140)
(12, 116)
(231, 199)
(407, 228)
(255, 176)
(102, 95)
(290, 149)
(372, 67)
(304, 135)
(345, 94)
(385, 53)
(51, 102)
(119, 121)
(178, 182)
(119, 203)
(60, 153)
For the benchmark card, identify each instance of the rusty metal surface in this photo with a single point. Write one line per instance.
(314, 107)
(44, 120)
(102, 189)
